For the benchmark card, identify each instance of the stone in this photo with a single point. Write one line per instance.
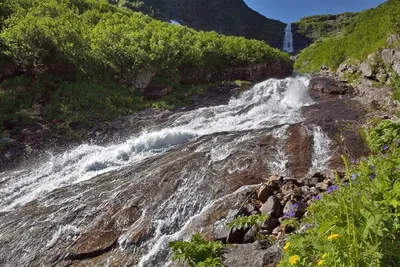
(314, 191)
(388, 56)
(324, 185)
(305, 189)
(250, 236)
(296, 207)
(366, 70)
(257, 254)
(274, 180)
(392, 39)
(272, 207)
(328, 85)
(270, 224)
(290, 189)
(396, 62)
(264, 192)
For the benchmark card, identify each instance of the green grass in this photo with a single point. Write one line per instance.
(366, 33)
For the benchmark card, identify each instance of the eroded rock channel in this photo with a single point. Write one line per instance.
(120, 204)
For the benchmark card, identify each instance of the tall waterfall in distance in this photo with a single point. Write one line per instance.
(288, 39)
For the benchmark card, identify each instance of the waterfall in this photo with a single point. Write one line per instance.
(167, 181)
(288, 39)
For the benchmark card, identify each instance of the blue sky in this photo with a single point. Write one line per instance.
(293, 10)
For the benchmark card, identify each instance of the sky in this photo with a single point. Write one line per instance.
(294, 10)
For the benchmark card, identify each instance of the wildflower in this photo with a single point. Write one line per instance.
(364, 159)
(333, 188)
(372, 175)
(353, 160)
(295, 206)
(372, 167)
(333, 236)
(324, 256)
(353, 176)
(287, 246)
(385, 147)
(318, 197)
(397, 141)
(346, 184)
(293, 260)
(320, 262)
(290, 214)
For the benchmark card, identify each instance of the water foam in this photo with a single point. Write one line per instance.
(267, 104)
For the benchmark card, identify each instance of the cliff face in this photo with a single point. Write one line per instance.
(310, 29)
(229, 17)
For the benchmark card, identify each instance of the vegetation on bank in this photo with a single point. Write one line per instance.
(316, 27)
(366, 33)
(358, 224)
(77, 58)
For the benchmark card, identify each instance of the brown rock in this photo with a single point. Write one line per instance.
(92, 243)
(299, 149)
(272, 207)
(263, 193)
(328, 85)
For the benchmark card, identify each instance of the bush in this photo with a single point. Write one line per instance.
(198, 252)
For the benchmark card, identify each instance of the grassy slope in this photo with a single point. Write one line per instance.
(366, 33)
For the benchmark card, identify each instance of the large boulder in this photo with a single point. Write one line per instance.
(257, 254)
(366, 69)
(328, 85)
(388, 56)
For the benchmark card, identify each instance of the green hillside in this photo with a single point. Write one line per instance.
(79, 59)
(366, 33)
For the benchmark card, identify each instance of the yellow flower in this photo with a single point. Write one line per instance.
(333, 236)
(324, 256)
(286, 247)
(320, 262)
(294, 259)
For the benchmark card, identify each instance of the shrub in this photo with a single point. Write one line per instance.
(198, 252)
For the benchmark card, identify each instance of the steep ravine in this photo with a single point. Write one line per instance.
(121, 204)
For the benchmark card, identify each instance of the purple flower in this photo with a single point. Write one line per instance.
(372, 175)
(385, 147)
(353, 161)
(318, 197)
(290, 214)
(346, 184)
(353, 176)
(333, 188)
(372, 167)
(397, 141)
(364, 159)
(295, 206)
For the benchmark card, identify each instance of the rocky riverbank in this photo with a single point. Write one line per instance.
(342, 112)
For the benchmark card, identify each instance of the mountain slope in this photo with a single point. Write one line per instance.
(229, 17)
(366, 33)
(310, 29)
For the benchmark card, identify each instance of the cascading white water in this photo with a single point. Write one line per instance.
(194, 150)
(271, 103)
(288, 39)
